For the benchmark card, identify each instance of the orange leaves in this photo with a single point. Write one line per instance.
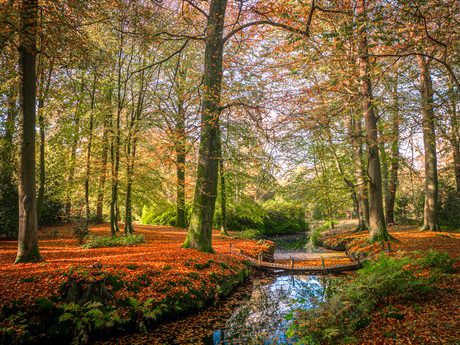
(161, 260)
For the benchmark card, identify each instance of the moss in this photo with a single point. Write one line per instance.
(193, 275)
(115, 282)
(44, 304)
(32, 255)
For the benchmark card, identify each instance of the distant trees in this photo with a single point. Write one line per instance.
(336, 94)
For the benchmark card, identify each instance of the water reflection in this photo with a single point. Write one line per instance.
(261, 319)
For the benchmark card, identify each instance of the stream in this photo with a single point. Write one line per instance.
(261, 319)
(253, 314)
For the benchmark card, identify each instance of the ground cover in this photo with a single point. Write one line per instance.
(430, 320)
(157, 273)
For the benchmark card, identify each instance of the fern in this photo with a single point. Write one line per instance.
(134, 302)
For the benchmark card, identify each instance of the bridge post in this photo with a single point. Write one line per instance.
(230, 247)
(324, 265)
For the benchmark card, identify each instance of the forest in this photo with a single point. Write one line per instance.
(247, 116)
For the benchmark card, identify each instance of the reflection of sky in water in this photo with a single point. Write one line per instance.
(261, 319)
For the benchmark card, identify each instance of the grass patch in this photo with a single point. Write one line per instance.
(109, 241)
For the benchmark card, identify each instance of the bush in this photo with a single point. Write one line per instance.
(249, 234)
(449, 207)
(283, 217)
(109, 241)
(275, 216)
(9, 205)
(164, 214)
(434, 259)
(53, 210)
(315, 237)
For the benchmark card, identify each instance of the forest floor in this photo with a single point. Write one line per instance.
(432, 321)
(158, 270)
(435, 320)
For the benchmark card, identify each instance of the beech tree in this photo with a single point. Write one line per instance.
(199, 234)
(430, 218)
(28, 233)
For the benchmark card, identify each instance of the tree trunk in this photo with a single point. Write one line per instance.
(41, 123)
(430, 219)
(115, 150)
(41, 188)
(394, 160)
(100, 193)
(223, 199)
(129, 181)
(28, 232)
(200, 230)
(180, 164)
(454, 137)
(355, 131)
(377, 227)
(88, 154)
(115, 153)
(72, 162)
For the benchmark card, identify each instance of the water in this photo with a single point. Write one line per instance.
(262, 319)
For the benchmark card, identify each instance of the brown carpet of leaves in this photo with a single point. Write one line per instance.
(61, 251)
(435, 320)
(432, 321)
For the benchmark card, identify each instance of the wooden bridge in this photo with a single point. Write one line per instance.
(277, 268)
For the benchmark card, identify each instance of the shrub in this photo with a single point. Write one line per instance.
(283, 217)
(9, 205)
(449, 206)
(275, 216)
(249, 234)
(315, 237)
(53, 210)
(164, 214)
(80, 231)
(434, 259)
(108, 241)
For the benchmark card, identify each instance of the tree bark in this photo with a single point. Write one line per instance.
(430, 218)
(132, 138)
(394, 160)
(28, 232)
(128, 229)
(223, 198)
(180, 168)
(199, 234)
(41, 123)
(115, 149)
(73, 159)
(115, 153)
(102, 178)
(355, 132)
(88, 154)
(454, 135)
(377, 227)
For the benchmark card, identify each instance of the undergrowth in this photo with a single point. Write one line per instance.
(108, 241)
(347, 304)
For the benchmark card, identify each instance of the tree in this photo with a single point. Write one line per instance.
(377, 227)
(394, 155)
(28, 232)
(199, 234)
(430, 217)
